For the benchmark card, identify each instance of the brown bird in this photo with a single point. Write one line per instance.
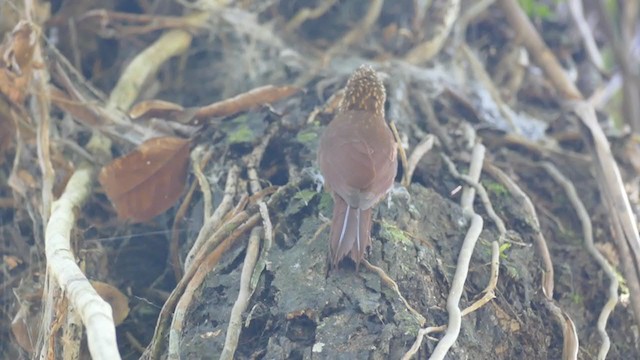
(357, 157)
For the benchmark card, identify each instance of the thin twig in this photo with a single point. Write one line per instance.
(174, 245)
(428, 49)
(418, 153)
(208, 261)
(577, 13)
(403, 155)
(307, 13)
(489, 294)
(587, 233)
(212, 224)
(394, 286)
(482, 192)
(198, 154)
(570, 338)
(521, 198)
(253, 162)
(244, 295)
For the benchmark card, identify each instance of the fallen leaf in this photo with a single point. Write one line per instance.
(16, 62)
(161, 109)
(149, 180)
(118, 301)
(11, 262)
(255, 97)
(153, 108)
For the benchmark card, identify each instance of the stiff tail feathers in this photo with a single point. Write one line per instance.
(350, 232)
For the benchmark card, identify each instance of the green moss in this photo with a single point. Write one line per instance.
(512, 271)
(495, 188)
(392, 232)
(577, 298)
(309, 134)
(624, 290)
(535, 8)
(245, 128)
(503, 249)
(325, 203)
(241, 135)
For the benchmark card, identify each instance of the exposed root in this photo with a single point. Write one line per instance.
(394, 286)
(403, 155)
(197, 156)
(95, 312)
(308, 14)
(428, 49)
(587, 233)
(203, 266)
(521, 197)
(418, 153)
(462, 267)
(212, 223)
(235, 320)
(570, 338)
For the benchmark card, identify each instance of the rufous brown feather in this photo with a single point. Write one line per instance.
(357, 157)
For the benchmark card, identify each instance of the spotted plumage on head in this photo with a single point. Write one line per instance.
(365, 92)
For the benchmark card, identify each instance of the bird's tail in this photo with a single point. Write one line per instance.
(350, 232)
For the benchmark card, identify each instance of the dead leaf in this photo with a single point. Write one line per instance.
(20, 54)
(27, 179)
(162, 109)
(255, 97)
(11, 262)
(118, 301)
(153, 108)
(16, 62)
(149, 180)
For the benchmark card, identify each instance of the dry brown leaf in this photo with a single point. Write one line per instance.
(193, 116)
(11, 262)
(16, 62)
(162, 109)
(118, 301)
(256, 97)
(27, 178)
(149, 180)
(153, 108)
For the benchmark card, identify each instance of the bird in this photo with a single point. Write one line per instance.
(357, 156)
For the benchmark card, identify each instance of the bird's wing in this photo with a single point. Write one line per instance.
(348, 166)
(358, 162)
